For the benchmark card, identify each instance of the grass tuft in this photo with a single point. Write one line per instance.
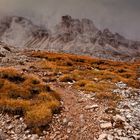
(31, 97)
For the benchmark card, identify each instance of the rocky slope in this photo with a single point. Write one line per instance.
(90, 109)
(70, 36)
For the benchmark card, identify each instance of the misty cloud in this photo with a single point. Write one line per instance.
(118, 15)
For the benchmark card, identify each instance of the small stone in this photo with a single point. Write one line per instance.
(123, 138)
(82, 118)
(95, 79)
(106, 125)
(91, 107)
(121, 85)
(52, 137)
(27, 132)
(68, 131)
(8, 121)
(119, 132)
(81, 100)
(2, 135)
(102, 136)
(65, 137)
(70, 124)
(83, 129)
(34, 137)
(10, 127)
(17, 116)
(44, 132)
(118, 118)
(128, 116)
(65, 121)
(110, 137)
(21, 119)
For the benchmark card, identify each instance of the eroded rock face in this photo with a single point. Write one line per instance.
(4, 50)
(70, 36)
(17, 31)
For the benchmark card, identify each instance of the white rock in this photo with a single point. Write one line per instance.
(121, 85)
(70, 124)
(119, 132)
(91, 107)
(34, 137)
(123, 138)
(117, 91)
(65, 121)
(128, 116)
(109, 137)
(102, 136)
(10, 127)
(106, 125)
(119, 118)
(82, 118)
(68, 131)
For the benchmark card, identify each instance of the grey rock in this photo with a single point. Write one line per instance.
(121, 85)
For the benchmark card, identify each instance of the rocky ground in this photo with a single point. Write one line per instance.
(126, 123)
(82, 116)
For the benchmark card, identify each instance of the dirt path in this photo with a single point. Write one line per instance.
(79, 120)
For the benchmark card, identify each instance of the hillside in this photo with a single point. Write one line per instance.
(70, 36)
(63, 96)
(72, 83)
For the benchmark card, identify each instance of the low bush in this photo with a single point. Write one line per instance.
(67, 78)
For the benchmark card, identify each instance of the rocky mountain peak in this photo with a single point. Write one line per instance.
(71, 35)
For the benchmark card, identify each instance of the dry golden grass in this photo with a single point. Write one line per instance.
(84, 70)
(87, 68)
(92, 86)
(27, 95)
(67, 78)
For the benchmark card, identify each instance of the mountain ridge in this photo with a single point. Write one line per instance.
(70, 36)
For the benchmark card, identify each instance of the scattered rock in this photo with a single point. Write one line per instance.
(118, 118)
(102, 136)
(34, 137)
(106, 125)
(10, 127)
(68, 130)
(83, 129)
(2, 135)
(110, 137)
(91, 107)
(121, 85)
(70, 124)
(65, 121)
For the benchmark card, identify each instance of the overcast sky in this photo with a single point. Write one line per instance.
(121, 16)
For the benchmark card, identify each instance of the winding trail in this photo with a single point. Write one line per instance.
(75, 121)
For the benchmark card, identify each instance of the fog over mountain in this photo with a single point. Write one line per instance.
(118, 15)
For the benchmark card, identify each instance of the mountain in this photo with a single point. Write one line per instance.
(70, 36)
(49, 95)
